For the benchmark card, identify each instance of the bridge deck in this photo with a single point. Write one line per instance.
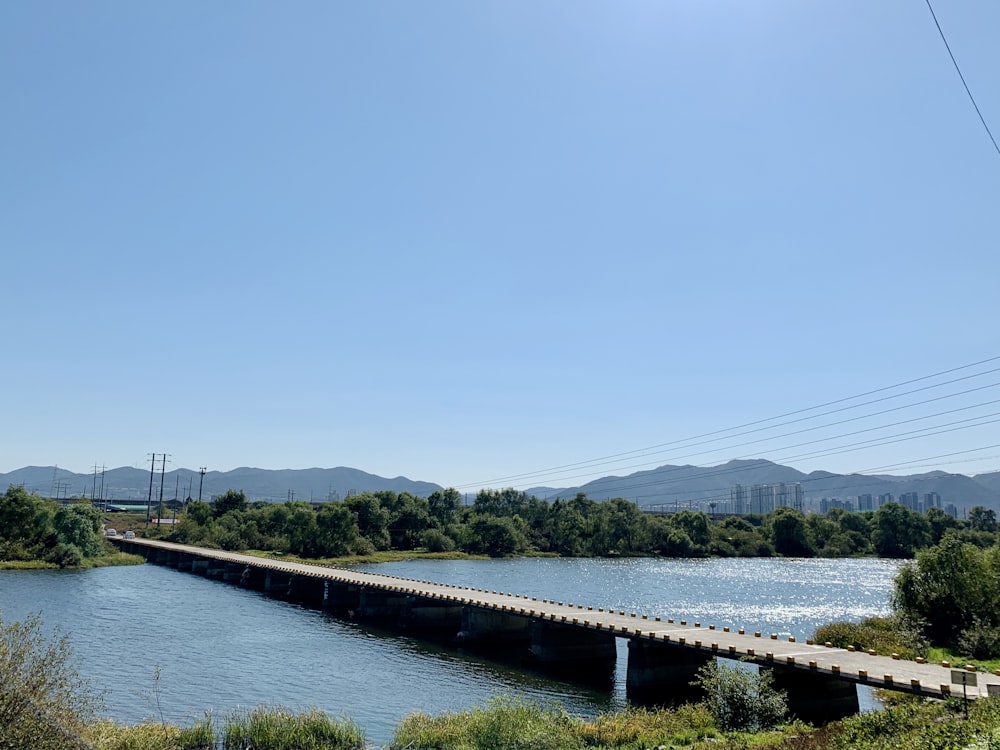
(933, 680)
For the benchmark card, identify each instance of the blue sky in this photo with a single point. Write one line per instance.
(461, 241)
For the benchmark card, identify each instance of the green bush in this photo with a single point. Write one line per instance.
(44, 704)
(980, 641)
(65, 556)
(886, 635)
(741, 699)
(280, 729)
(435, 540)
(504, 724)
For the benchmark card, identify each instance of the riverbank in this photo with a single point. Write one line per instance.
(105, 561)
(513, 724)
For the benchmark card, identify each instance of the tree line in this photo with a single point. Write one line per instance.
(34, 528)
(509, 522)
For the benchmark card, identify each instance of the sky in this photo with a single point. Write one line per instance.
(473, 243)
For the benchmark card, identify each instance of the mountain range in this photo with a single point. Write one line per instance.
(666, 486)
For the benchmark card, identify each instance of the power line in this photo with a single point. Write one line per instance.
(959, 70)
(759, 425)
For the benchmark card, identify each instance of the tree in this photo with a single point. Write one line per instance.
(741, 698)
(696, 526)
(627, 526)
(787, 530)
(44, 704)
(25, 524)
(230, 500)
(337, 527)
(410, 519)
(444, 506)
(939, 522)
(506, 502)
(899, 532)
(949, 588)
(496, 536)
(200, 513)
(983, 519)
(79, 525)
(373, 519)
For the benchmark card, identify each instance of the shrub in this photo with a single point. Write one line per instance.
(44, 704)
(65, 556)
(887, 635)
(980, 641)
(434, 540)
(741, 699)
(505, 722)
(280, 729)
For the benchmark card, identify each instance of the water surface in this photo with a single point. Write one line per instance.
(218, 647)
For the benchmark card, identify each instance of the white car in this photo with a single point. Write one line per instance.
(130, 535)
(110, 532)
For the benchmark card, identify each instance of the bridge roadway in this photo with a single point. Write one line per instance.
(664, 651)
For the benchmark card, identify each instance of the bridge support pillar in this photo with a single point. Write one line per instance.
(816, 698)
(381, 605)
(276, 583)
(306, 590)
(341, 598)
(233, 572)
(660, 673)
(199, 566)
(442, 619)
(574, 652)
(491, 630)
(216, 569)
(254, 578)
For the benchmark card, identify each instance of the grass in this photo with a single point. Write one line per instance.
(106, 735)
(882, 634)
(508, 723)
(279, 729)
(113, 557)
(27, 565)
(936, 654)
(513, 723)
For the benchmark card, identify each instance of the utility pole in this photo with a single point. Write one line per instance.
(163, 471)
(103, 467)
(201, 481)
(149, 499)
(93, 492)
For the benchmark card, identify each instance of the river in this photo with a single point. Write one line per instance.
(217, 647)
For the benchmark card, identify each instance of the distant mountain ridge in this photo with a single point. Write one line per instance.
(696, 486)
(131, 484)
(666, 486)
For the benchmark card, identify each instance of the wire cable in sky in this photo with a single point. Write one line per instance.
(959, 70)
(684, 443)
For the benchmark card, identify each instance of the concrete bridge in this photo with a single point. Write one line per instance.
(575, 640)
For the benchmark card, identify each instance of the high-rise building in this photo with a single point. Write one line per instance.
(779, 492)
(738, 499)
(931, 500)
(885, 498)
(910, 500)
(762, 498)
(797, 496)
(865, 502)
